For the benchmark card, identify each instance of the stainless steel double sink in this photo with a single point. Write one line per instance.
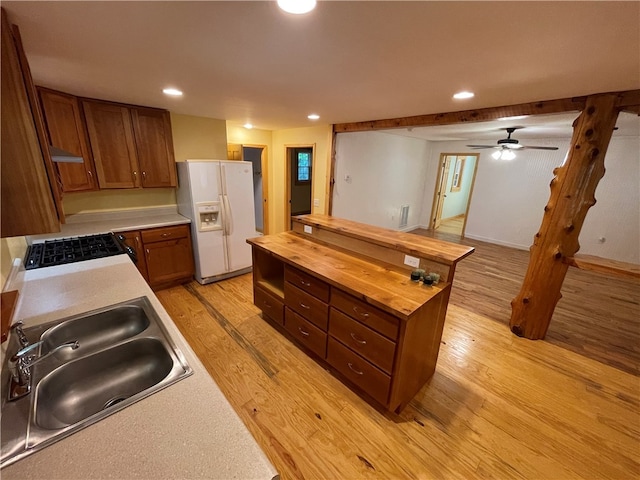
(124, 354)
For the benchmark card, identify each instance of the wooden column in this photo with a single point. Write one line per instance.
(572, 194)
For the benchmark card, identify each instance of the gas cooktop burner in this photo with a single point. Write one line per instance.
(70, 250)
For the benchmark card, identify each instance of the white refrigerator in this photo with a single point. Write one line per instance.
(217, 195)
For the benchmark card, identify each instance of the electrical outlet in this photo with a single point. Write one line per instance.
(308, 229)
(411, 261)
(316, 202)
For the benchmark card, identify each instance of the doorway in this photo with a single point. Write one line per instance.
(452, 196)
(258, 156)
(300, 161)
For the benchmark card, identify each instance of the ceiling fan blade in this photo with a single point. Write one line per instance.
(540, 148)
(481, 146)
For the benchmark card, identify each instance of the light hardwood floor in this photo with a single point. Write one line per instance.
(498, 406)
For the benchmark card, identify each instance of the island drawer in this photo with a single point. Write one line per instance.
(312, 309)
(305, 333)
(369, 315)
(270, 305)
(371, 345)
(369, 378)
(306, 282)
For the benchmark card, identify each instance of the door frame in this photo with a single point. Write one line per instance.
(287, 199)
(441, 185)
(264, 165)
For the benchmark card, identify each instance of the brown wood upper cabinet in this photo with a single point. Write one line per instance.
(66, 129)
(131, 146)
(30, 199)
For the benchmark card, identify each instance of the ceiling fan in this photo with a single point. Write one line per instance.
(511, 143)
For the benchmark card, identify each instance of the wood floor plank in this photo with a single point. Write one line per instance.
(498, 406)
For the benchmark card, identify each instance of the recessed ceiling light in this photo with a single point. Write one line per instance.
(463, 95)
(313, 116)
(174, 92)
(297, 7)
(248, 126)
(516, 117)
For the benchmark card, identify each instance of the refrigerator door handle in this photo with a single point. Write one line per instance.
(228, 215)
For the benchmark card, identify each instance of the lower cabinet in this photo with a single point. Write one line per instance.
(164, 255)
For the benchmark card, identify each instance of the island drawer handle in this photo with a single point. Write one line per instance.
(363, 314)
(357, 372)
(306, 334)
(358, 339)
(304, 306)
(266, 304)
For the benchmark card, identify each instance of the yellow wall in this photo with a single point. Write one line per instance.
(320, 137)
(198, 137)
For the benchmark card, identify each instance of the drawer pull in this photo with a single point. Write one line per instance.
(266, 304)
(165, 235)
(306, 334)
(357, 372)
(306, 284)
(306, 307)
(363, 314)
(358, 339)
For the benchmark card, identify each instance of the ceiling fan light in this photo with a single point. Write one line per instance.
(507, 155)
(496, 155)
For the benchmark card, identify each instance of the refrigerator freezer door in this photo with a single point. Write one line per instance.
(205, 189)
(237, 180)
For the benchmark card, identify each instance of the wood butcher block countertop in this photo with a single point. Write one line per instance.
(373, 281)
(431, 248)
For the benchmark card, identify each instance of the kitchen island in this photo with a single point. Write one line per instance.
(187, 430)
(344, 292)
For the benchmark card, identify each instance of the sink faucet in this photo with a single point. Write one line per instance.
(20, 366)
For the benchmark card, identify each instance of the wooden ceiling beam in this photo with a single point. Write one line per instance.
(628, 100)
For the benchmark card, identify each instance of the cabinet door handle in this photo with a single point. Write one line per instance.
(306, 284)
(89, 173)
(358, 339)
(306, 334)
(137, 242)
(144, 175)
(357, 372)
(306, 307)
(363, 314)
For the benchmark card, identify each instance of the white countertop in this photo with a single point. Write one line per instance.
(114, 221)
(187, 430)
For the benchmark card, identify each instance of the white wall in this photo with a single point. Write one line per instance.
(508, 198)
(386, 172)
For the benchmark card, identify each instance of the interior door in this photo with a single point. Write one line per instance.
(445, 166)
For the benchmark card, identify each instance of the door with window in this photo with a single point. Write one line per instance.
(300, 175)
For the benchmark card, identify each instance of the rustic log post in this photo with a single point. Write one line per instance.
(572, 194)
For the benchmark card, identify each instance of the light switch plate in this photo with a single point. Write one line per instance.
(411, 261)
(308, 229)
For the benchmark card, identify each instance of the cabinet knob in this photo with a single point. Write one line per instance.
(144, 175)
(165, 235)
